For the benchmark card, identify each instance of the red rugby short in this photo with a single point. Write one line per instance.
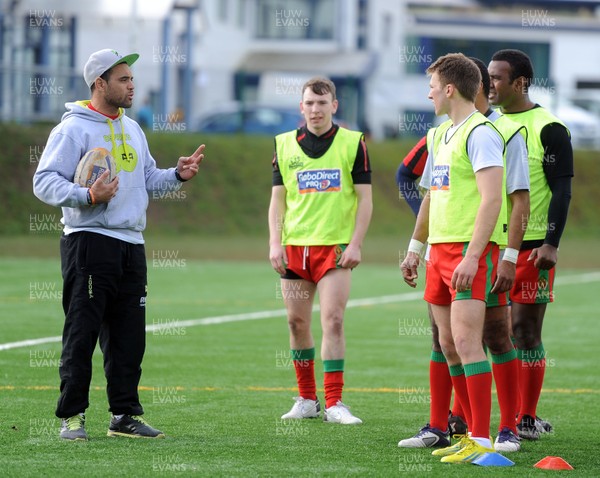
(311, 263)
(443, 260)
(532, 285)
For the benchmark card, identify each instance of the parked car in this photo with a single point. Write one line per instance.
(583, 125)
(250, 119)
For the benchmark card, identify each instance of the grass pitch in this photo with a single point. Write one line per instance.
(217, 389)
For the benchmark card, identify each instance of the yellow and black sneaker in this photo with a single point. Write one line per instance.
(132, 426)
(463, 440)
(469, 453)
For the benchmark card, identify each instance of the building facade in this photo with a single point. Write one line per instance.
(198, 56)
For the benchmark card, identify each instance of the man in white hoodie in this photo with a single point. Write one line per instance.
(102, 247)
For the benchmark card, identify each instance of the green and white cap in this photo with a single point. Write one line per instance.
(102, 61)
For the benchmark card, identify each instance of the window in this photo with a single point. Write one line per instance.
(223, 10)
(420, 52)
(386, 30)
(361, 40)
(295, 19)
(39, 78)
(241, 13)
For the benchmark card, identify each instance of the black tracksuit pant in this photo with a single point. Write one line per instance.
(104, 296)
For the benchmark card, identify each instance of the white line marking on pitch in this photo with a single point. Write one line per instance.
(266, 314)
(222, 319)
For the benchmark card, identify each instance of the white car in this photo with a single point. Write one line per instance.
(583, 125)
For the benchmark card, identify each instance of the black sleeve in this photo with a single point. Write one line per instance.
(277, 178)
(558, 168)
(361, 171)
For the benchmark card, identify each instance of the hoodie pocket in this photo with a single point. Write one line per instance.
(127, 210)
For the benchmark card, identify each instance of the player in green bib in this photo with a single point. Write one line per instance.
(463, 219)
(496, 330)
(550, 172)
(318, 217)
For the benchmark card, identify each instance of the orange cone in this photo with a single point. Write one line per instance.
(553, 463)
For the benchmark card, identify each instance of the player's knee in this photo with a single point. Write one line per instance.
(497, 340)
(526, 342)
(451, 355)
(465, 346)
(448, 348)
(498, 345)
(526, 337)
(333, 324)
(298, 325)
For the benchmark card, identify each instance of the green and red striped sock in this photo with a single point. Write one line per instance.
(440, 387)
(531, 378)
(478, 376)
(461, 393)
(505, 368)
(333, 381)
(304, 364)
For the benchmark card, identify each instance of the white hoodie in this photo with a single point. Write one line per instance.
(80, 130)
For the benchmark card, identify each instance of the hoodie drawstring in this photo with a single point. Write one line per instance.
(112, 137)
(123, 136)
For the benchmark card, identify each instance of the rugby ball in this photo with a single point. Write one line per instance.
(92, 165)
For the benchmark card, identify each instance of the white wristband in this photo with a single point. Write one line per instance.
(510, 255)
(415, 246)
